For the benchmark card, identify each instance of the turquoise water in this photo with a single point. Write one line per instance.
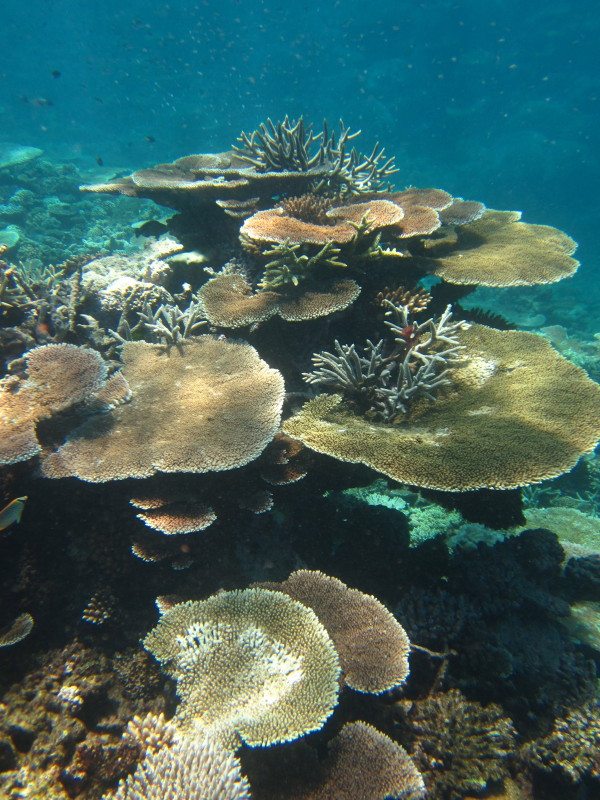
(486, 552)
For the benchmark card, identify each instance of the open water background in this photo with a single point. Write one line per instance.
(497, 101)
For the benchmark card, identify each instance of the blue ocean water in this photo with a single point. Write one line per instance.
(495, 101)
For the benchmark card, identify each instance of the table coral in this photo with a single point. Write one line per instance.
(215, 406)
(499, 427)
(252, 666)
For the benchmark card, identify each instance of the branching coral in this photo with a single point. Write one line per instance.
(391, 375)
(290, 265)
(499, 427)
(460, 746)
(292, 146)
(172, 325)
(250, 665)
(573, 745)
(186, 770)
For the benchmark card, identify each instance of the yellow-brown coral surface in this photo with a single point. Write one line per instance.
(517, 413)
(213, 407)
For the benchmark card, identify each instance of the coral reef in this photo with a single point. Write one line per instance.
(385, 381)
(41, 201)
(372, 646)
(58, 376)
(210, 458)
(188, 769)
(501, 426)
(458, 745)
(252, 666)
(17, 630)
(572, 746)
(176, 392)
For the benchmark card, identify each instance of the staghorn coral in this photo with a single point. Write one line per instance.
(572, 747)
(290, 264)
(460, 746)
(173, 423)
(500, 250)
(500, 427)
(58, 376)
(186, 770)
(171, 325)
(253, 666)
(17, 630)
(415, 300)
(229, 302)
(392, 375)
(372, 646)
(289, 146)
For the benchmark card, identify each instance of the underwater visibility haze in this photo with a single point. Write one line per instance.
(299, 402)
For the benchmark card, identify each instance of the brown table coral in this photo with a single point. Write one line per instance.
(502, 425)
(213, 407)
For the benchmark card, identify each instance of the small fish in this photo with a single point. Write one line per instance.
(12, 512)
(40, 101)
(56, 73)
(149, 139)
(100, 161)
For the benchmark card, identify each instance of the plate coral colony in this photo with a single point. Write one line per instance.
(295, 327)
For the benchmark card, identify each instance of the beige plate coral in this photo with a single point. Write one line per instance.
(517, 413)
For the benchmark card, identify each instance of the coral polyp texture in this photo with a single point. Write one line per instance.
(373, 647)
(362, 763)
(58, 376)
(500, 250)
(499, 426)
(229, 302)
(251, 665)
(187, 770)
(215, 406)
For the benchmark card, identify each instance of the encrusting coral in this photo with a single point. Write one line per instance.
(172, 423)
(372, 646)
(252, 666)
(500, 426)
